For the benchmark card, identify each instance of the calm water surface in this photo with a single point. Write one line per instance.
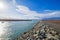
(10, 30)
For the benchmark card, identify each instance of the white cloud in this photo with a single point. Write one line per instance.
(35, 15)
(22, 12)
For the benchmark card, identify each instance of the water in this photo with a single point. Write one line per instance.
(12, 29)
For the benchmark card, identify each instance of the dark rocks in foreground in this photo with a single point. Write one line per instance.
(43, 32)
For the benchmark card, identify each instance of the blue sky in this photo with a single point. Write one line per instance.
(40, 5)
(29, 9)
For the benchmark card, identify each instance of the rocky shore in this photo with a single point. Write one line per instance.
(40, 32)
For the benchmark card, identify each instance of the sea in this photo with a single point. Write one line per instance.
(9, 30)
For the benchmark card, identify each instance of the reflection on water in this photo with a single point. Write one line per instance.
(4, 30)
(10, 30)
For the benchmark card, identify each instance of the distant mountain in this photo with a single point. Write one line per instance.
(53, 18)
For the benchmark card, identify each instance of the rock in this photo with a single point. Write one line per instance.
(42, 33)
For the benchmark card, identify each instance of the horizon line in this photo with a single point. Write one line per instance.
(15, 19)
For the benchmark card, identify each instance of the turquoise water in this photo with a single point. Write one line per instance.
(11, 30)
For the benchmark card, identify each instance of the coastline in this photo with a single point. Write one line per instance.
(28, 30)
(37, 26)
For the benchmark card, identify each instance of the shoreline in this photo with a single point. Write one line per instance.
(36, 27)
(28, 30)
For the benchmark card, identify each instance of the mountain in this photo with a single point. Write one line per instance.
(53, 18)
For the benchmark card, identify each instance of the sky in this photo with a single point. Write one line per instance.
(29, 9)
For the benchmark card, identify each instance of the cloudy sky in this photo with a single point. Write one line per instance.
(29, 9)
